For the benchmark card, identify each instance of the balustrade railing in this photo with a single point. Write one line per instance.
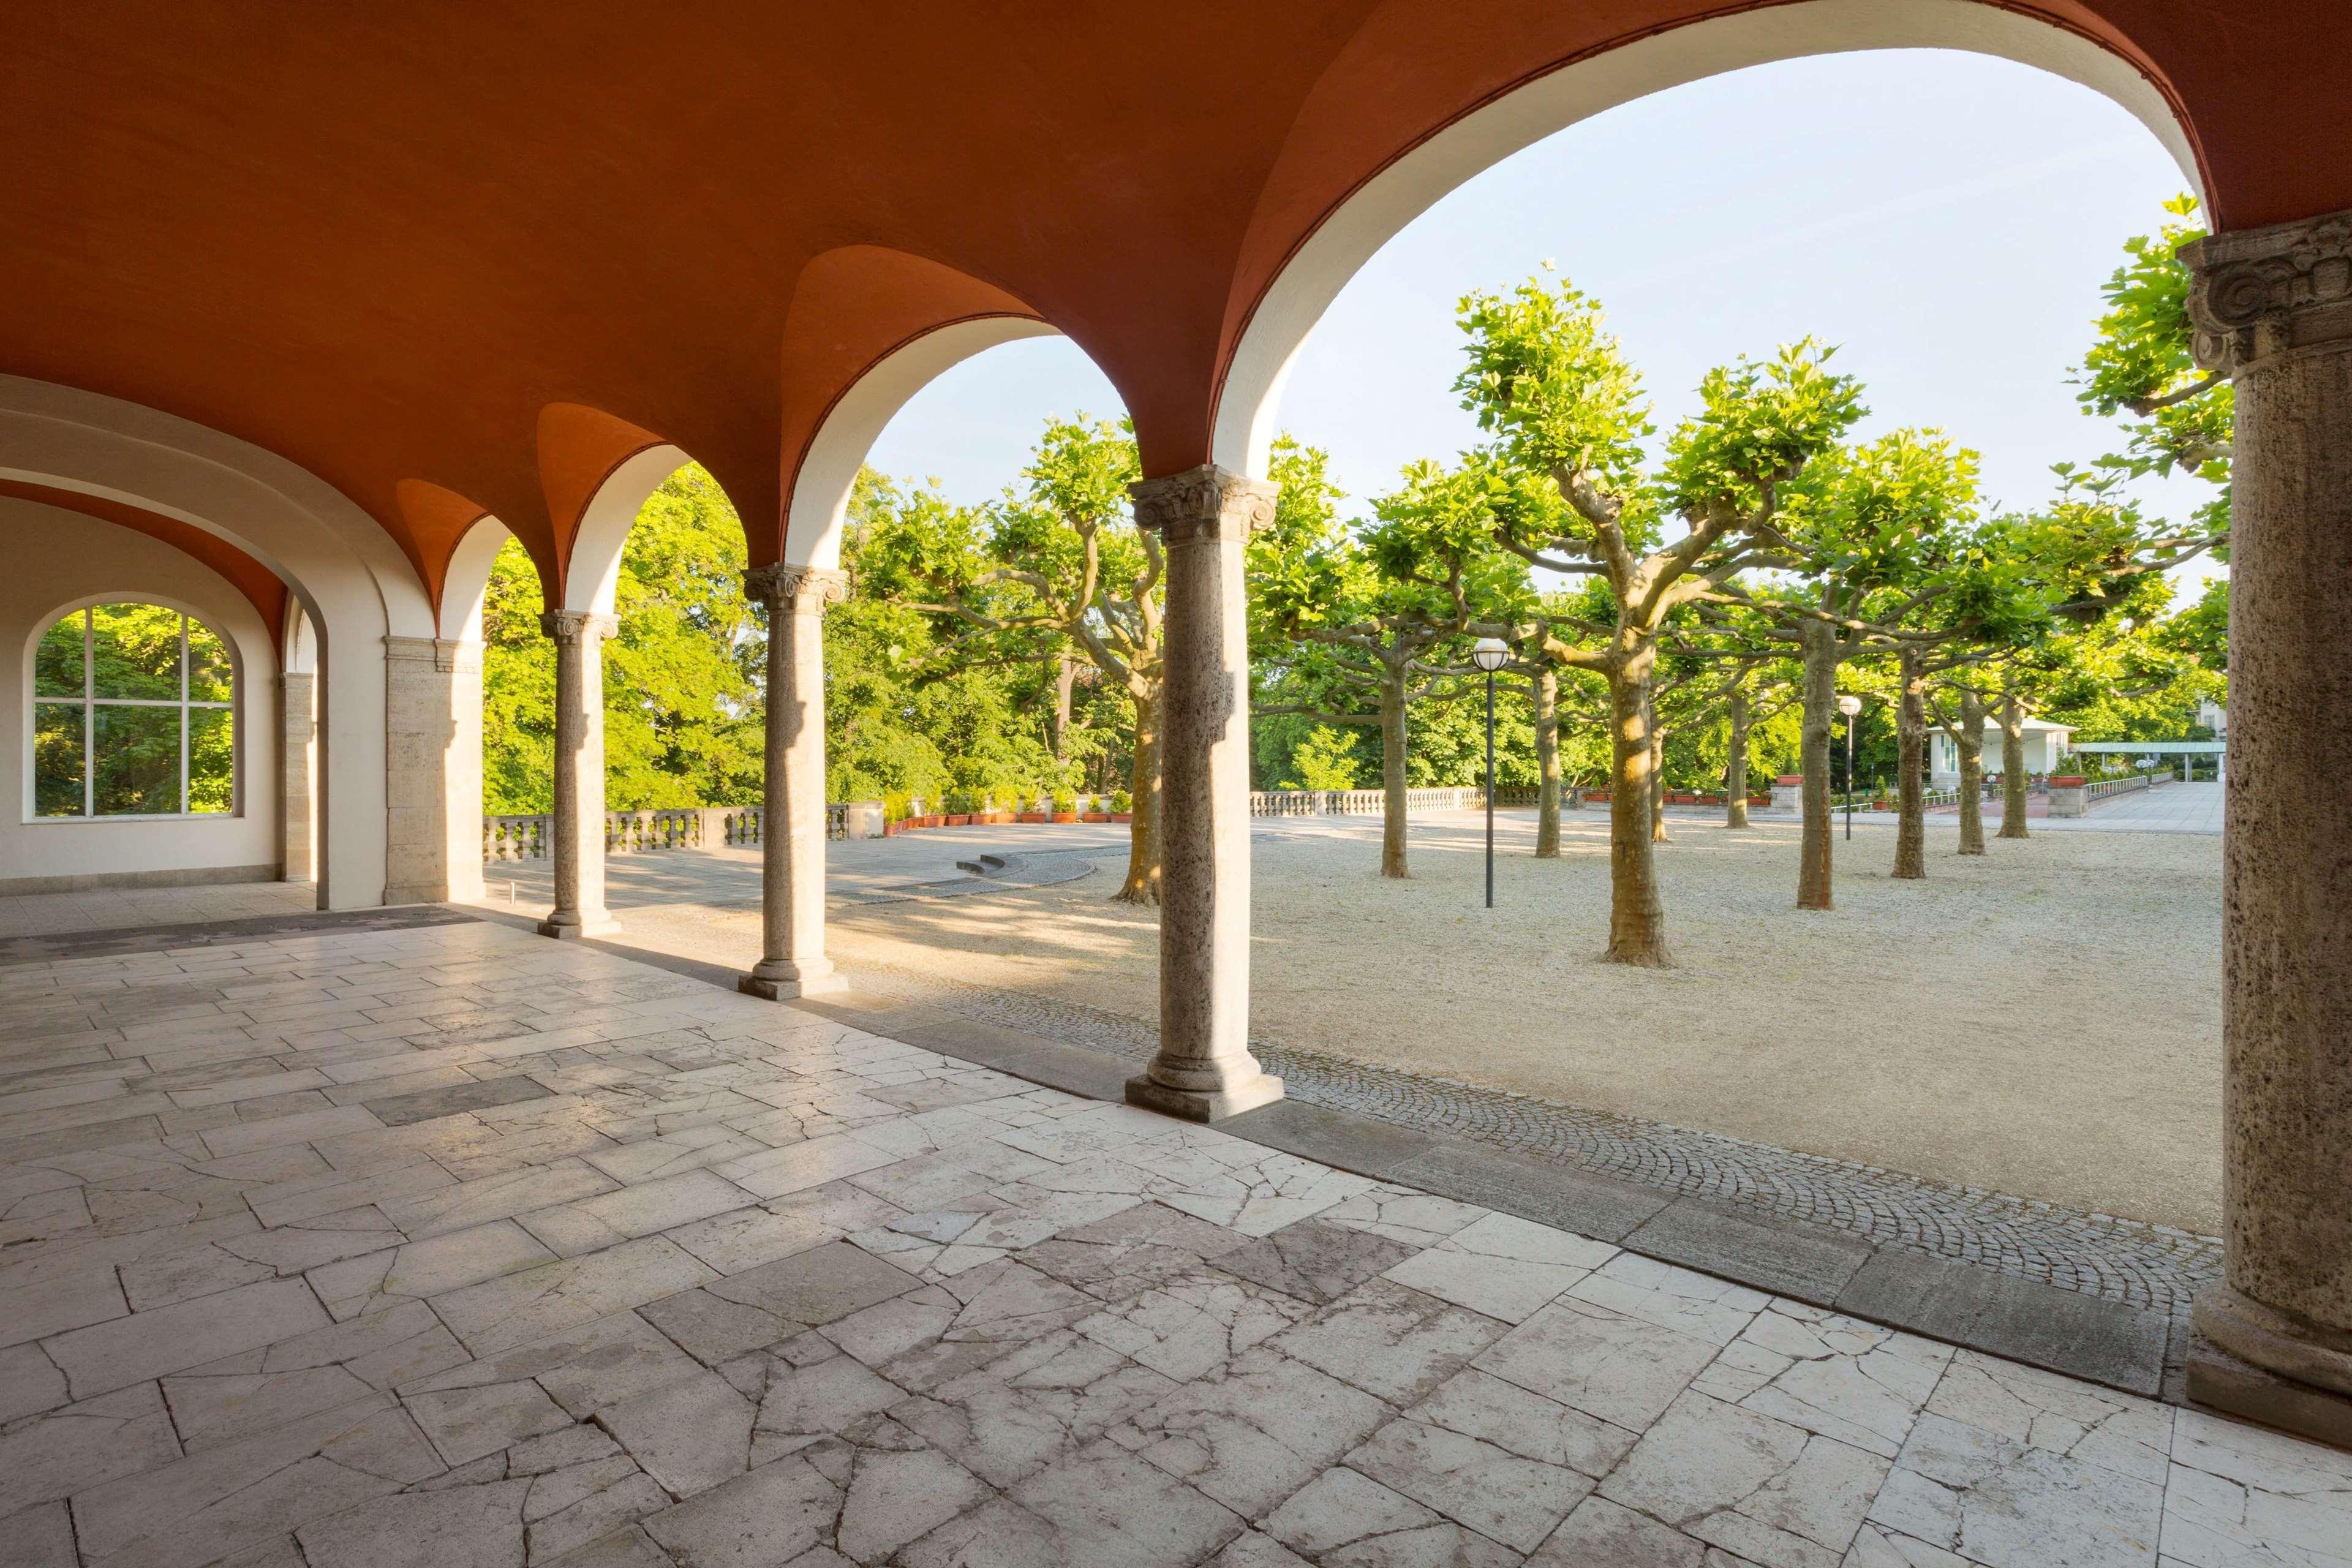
(1373, 802)
(2105, 787)
(517, 837)
(645, 832)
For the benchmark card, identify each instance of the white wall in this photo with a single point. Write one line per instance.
(57, 559)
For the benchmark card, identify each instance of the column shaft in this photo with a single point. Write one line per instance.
(579, 637)
(2273, 307)
(299, 766)
(1204, 1068)
(433, 757)
(791, 831)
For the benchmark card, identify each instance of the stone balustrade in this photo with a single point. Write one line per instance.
(530, 837)
(1373, 802)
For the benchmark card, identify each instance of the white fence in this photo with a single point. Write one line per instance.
(639, 832)
(2105, 787)
(1373, 802)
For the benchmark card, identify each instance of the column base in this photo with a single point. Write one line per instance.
(2271, 1339)
(608, 926)
(760, 985)
(2226, 1386)
(1203, 1104)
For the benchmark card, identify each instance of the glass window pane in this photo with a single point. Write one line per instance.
(136, 767)
(208, 666)
(57, 759)
(212, 760)
(135, 652)
(56, 663)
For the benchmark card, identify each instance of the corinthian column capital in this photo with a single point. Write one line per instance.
(575, 627)
(788, 589)
(2257, 292)
(1203, 502)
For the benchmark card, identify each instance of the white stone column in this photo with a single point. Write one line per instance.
(792, 827)
(298, 735)
(2273, 307)
(579, 637)
(433, 770)
(1204, 1068)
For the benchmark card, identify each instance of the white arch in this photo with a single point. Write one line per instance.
(349, 576)
(820, 500)
(1250, 399)
(592, 575)
(467, 579)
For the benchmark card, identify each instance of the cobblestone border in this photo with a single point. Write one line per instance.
(2119, 1260)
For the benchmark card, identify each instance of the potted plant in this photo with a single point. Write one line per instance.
(1094, 809)
(1040, 809)
(1122, 806)
(1066, 806)
(958, 809)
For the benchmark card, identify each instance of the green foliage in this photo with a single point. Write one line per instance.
(1325, 759)
(682, 703)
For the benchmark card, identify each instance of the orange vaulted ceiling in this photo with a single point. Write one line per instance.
(249, 577)
(385, 240)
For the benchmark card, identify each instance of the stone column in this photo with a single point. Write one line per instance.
(2272, 309)
(1204, 1068)
(792, 832)
(299, 737)
(432, 761)
(579, 637)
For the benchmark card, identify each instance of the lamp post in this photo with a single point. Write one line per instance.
(1849, 705)
(1490, 655)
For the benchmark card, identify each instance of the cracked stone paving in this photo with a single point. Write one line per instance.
(448, 1246)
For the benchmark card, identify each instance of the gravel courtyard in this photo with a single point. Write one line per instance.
(2043, 1021)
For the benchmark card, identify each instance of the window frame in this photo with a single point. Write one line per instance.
(89, 702)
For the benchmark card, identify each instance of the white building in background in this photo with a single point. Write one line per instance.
(2045, 744)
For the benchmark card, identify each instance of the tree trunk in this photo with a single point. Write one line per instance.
(1910, 756)
(1970, 744)
(1734, 772)
(2013, 767)
(1142, 884)
(1546, 694)
(1065, 678)
(1392, 774)
(1814, 848)
(1657, 771)
(1637, 914)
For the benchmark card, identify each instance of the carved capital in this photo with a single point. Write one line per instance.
(2257, 292)
(571, 628)
(1206, 503)
(788, 589)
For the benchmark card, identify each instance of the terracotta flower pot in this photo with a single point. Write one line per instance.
(956, 821)
(1096, 817)
(1066, 816)
(1036, 816)
(1122, 816)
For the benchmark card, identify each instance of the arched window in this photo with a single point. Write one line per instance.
(133, 715)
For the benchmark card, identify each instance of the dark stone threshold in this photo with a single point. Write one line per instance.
(221, 933)
(2221, 1383)
(1958, 1303)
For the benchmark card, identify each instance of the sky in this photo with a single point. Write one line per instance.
(1945, 219)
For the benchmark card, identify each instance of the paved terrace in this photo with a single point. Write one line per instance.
(412, 1238)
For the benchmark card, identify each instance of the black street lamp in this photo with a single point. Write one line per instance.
(1490, 655)
(1849, 705)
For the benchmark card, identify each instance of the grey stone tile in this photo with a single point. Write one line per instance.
(1835, 1375)
(764, 1519)
(817, 1286)
(466, 1424)
(463, 1527)
(583, 1369)
(1787, 1257)
(2063, 1331)
(1503, 1496)
(1390, 1341)
(1105, 1507)
(1502, 1266)
(148, 1344)
(1506, 1416)
(307, 1199)
(800, 1166)
(745, 1239)
(1342, 1516)
(896, 1491)
(469, 1204)
(805, 1403)
(2001, 1503)
(1193, 1324)
(1600, 1533)
(1699, 1305)
(81, 1446)
(30, 1383)
(1029, 1409)
(1130, 1251)
(71, 1298)
(570, 1534)
(248, 1136)
(1255, 1432)
(650, 1206)
(690, 1437)
(1336, 1138)
(307, 1243)
(517, 1309)
(629, 1547)
(1620, 1369)
(1757, 1487)
(1548, 1194)
(424, 1105)
(2042, 1410)
(241, 1495)
(1314, 1259)
(420, 1270)
(41, 1537)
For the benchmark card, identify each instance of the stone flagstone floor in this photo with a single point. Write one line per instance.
(451, 1247)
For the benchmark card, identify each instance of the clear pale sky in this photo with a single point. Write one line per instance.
(1945, 218)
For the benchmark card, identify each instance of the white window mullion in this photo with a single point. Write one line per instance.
(88, 714)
